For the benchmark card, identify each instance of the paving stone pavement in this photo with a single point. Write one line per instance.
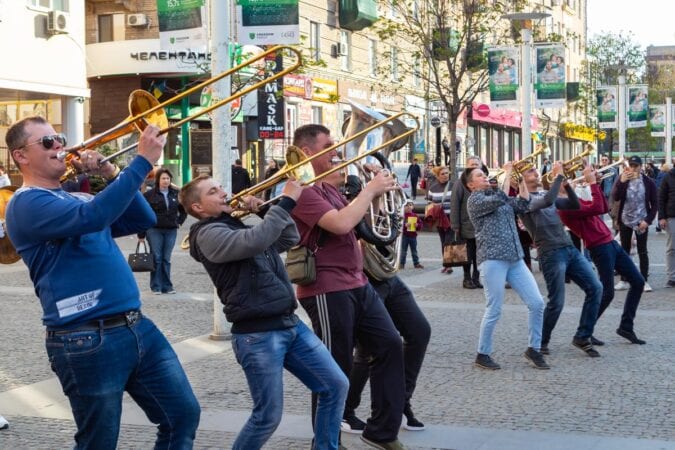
(623, 400)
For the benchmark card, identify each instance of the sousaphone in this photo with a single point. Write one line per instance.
(8, 254)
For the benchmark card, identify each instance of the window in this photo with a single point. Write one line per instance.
(416, 74)
(110, 27)
(59, 5)
(345, 50)
(315, 40)
(392, 9)
(393, 69)
(372, 57)
(317, 114)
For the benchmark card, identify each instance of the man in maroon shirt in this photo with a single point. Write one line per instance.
(343, 306)
(607, 255)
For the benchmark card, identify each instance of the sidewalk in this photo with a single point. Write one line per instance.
(623, 400)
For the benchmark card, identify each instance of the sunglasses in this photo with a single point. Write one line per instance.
(48, 141)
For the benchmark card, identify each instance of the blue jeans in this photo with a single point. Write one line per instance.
(555, 264)
(412, 242)
(607, 258)
(96, 367)
(496, 274)
(161, 242)
(263, 356)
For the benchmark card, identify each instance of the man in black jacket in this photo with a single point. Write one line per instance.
(414, 173)
(244, 265)
(240, 178)
(667, 222)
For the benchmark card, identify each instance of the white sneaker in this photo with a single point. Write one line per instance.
(3, 423)
(648, 288)
(622, 286)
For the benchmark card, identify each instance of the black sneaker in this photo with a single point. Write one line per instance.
(478, 284)
(536, 359)
(392, 445)
(630, 335)
(410, 422)
(587, 346)
(597, 342)
(352, 424)
(544, 349)
(670, 284)
(468, 284)
(485, 362)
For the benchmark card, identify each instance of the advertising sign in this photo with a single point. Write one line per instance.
(637, 106)
(504, 76)
(268, 22)
(182, 24)
(606, 103)
(657, 118)
(271, 123)
(550, 86)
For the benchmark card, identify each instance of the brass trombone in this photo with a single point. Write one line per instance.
(145, 109)
(571, 166)
(523, 165)
(604, 172)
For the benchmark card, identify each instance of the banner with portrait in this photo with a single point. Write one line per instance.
(606, 103)
(657, 119)
(182, 24)
(503, 63)
(550, 88)
(637, 106)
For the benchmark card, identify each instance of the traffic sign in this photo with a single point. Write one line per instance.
(435, 121)
(483, 110)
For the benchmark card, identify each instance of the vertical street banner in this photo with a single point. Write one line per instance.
(606, 103)
(182, 24)
(657, 119)
(637, 106)
(268, 22)
(503, 63)
(549, 87)
(271, 109)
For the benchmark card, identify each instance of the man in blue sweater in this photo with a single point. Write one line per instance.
(98, 342)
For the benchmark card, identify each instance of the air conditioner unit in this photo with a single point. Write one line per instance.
(137, 20)
(57, 22)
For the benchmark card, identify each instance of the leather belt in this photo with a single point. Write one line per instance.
(120, 320)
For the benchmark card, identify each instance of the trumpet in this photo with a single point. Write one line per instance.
(523, 165)
(605, 172)
(146, 110)
(571, 166)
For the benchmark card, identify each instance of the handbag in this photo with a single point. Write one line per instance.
(423, 183)
(454, 252)
(301, 265)
(141, 262)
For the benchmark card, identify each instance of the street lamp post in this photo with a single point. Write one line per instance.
(668, 148)
(525, 22)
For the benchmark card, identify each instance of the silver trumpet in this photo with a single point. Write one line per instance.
(604, 172)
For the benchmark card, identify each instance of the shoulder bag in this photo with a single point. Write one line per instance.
(141, 262)
(301, 263)
(454, 252)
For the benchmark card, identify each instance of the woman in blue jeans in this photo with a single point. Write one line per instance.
(500, 260)
(163, 199)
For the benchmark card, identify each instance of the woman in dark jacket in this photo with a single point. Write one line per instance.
(439, 192)
(163, 199)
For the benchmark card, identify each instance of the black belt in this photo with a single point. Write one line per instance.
(120, 320)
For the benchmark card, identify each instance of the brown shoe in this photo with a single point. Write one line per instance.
(419, 266)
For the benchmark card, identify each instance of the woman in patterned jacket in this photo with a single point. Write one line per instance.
(500, 260)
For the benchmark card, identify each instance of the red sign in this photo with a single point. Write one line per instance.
(483, 110)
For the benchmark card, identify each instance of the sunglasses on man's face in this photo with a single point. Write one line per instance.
(48, 141)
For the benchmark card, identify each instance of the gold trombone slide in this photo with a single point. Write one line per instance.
(145, 109)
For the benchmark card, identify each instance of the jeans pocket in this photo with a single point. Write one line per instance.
(81, 343)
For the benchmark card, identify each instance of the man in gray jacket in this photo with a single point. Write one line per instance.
(558, 256)
(244, 265)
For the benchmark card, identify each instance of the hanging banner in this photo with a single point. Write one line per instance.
(271, 109)
(504, 76)
(606, 102)
(182, 24)
(268, 22)
(657, 119)
(637, 106)
(550, 86)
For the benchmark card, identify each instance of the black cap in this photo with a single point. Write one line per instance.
(635, 160)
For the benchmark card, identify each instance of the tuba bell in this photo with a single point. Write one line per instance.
(380, 231)
(8, 254)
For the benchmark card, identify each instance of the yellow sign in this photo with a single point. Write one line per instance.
(325, 90)
(582, 132)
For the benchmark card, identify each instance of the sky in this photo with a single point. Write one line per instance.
(650, 21)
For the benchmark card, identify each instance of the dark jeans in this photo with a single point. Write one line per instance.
(408, 241)
(343, 318)
(415, 330)
(162, 241)
(471, 254)
(96, 367)
(607, 258)
(413, 187)
(626, 236)
(555, 264)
